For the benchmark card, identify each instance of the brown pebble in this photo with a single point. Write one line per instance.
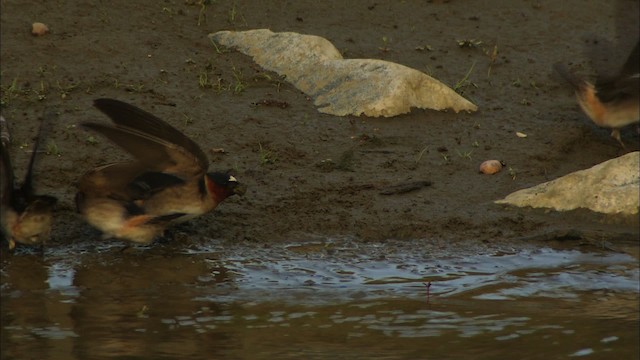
(39, 29)
(491, 167)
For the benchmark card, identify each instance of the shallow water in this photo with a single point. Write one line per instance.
(335, 299)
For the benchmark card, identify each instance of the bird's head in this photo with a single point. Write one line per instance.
(222, 185)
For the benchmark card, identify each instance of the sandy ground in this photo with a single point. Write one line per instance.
(312, 175)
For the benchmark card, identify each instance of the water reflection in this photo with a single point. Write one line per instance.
(130, 301)
(341, 301)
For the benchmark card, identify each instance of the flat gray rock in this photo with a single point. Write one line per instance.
(343, 86)
(612, 187)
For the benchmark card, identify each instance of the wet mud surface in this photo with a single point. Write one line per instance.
(345, 217)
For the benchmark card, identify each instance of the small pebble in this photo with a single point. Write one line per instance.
(491, 167)
(39, 29)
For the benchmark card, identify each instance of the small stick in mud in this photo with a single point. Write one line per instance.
(405, 187)
(428, 285)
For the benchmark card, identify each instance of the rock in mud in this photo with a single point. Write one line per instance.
(343, 86)
(39, 29)
(612, 187)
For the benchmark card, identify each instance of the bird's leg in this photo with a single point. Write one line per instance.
(615, 133)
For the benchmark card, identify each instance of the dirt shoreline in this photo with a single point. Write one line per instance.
(312, 175)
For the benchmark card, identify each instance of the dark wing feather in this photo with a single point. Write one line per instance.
(111, 180)
(23, 198)
(27, 185)
(149, 150)
(626, 84)
(6, 172)
(129, 116)
(149, 183)
(632, 66)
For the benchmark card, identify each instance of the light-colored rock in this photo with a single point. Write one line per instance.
(612, 187)
(278, 51)
(343, 86)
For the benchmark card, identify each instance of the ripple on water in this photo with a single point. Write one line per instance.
(306, 299)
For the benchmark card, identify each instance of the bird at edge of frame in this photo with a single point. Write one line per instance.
(25, 216)
(611, 102)
(167, 183)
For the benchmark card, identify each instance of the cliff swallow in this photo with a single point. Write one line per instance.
(26, 217)
(167, 183)
(611, 102)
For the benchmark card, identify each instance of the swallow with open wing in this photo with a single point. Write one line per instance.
(167, 183)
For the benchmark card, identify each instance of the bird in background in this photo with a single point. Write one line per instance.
(611, 102)
(166, 183)
(26, 217)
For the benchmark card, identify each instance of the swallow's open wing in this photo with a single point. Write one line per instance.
(138, 130)
(632, 66)
(125, 182)
(626, 84)
(27, 185)
(155, 153)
